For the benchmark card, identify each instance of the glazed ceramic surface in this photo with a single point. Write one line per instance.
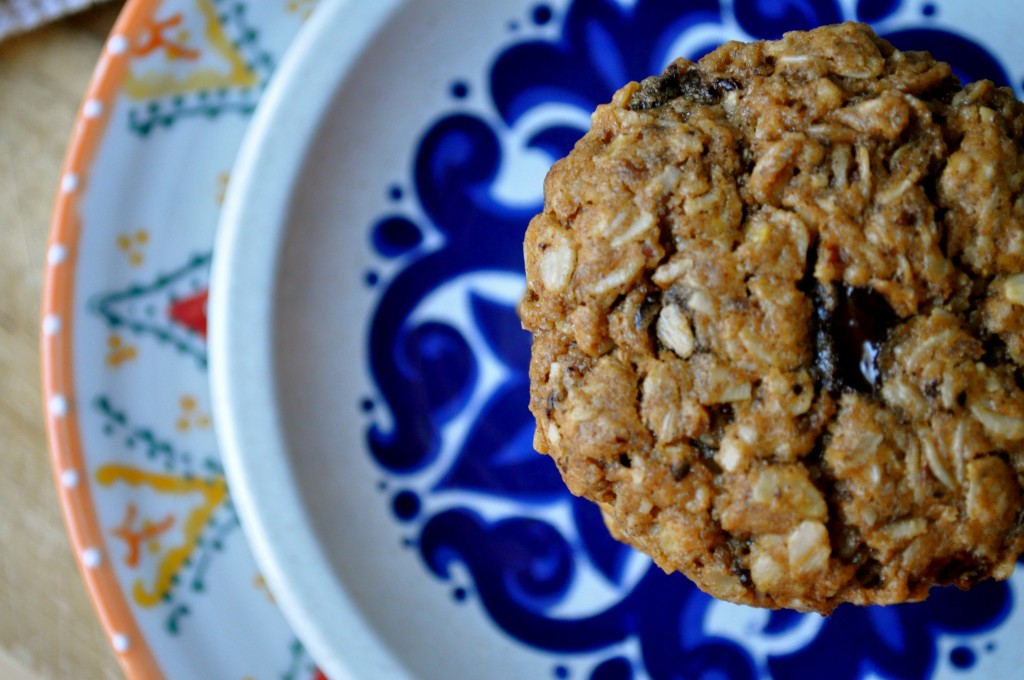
(373, 390)
(370, 370)
(124, 340)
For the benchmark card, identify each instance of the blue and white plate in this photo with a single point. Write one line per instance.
(369, 369)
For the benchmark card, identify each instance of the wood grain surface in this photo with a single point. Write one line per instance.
(47, 625)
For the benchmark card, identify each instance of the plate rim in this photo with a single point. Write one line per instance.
(241, 346)
(140, 650)
(125, 637)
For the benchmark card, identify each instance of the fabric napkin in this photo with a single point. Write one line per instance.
(17, 16)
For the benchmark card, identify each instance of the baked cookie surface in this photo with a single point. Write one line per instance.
(777, 307)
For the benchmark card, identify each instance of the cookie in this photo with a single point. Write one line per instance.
(777, 307)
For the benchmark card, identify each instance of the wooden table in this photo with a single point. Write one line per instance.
(47, 625)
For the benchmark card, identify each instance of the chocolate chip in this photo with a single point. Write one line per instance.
(707, 455)
(676, 82)
(646, 314)
(862, 324)
(851, 326)
(680, 470)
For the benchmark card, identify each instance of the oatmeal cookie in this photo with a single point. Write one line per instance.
(777, 307)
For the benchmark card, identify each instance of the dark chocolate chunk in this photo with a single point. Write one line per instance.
(674, 83)
(851, 326)
(861, 325)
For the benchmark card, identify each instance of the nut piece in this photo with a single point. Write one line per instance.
(556, 264)
(808, 548)
(674, 331)
(768, 563)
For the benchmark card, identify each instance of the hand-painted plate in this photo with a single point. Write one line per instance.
(371, 372)
(124, 340)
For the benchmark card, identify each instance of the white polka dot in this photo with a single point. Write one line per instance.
(51, 324)
(92, 108)
(120, 642)
(58, 405)
(56, 254)
(69, 478)
(91, 558)
(69, 183)
(118, 44)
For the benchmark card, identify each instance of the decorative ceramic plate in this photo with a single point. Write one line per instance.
(124, 340)
(370, 372)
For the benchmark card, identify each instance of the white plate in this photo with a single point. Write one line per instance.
(369, 368)
(124, 340)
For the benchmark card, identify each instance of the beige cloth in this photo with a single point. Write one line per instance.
(17, 16)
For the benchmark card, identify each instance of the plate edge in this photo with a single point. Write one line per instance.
(60, 405)
(259, 152)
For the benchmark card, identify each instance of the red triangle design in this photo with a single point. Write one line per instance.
(191, 312)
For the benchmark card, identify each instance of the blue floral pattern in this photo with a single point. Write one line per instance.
(449, 360)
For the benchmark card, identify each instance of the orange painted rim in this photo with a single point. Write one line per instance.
(58, 380)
